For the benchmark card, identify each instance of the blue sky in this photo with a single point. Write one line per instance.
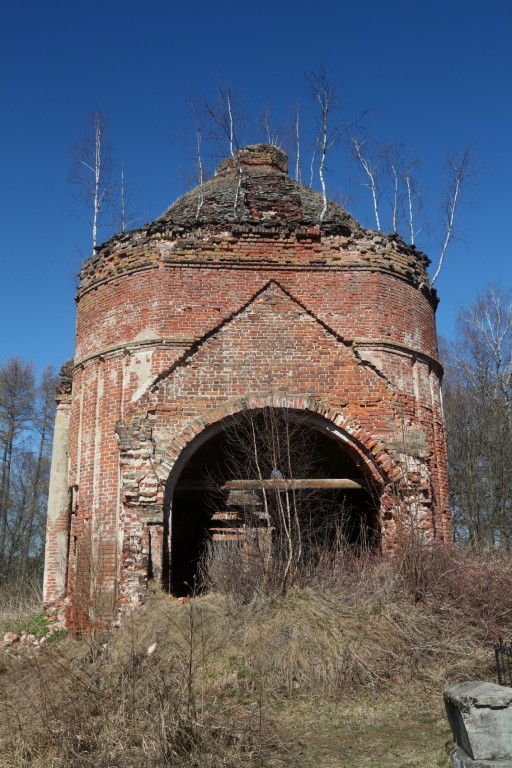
(436, 77)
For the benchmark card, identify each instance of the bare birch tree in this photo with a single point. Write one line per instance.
(270, 131)
(200, 174)
(370, 164)
(459, 170)
(328, 136)
(92, 168)
(405, 202)
(403, 174)
(392, 158)
(124, 216)
(226, 118)
(312, 164)
(478, 408)
(297, 143)
(324, 92)
(413, 198)
(389, 172)
(123, 200)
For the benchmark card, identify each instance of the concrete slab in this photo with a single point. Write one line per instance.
(460, 759)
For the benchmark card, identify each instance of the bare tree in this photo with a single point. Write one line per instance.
(123, 200)
(388, 171)
(226, 118)
(413, 198)
(324, 93)
(287, 514)
(478, 407)
(401, 173)
(312, 163)
(370, 162)
(199, 176)
(124, 216)
(271, 132)
(392, 156)
(487, 330)
(297, 142)
(328, 136)
(263, 451)
(459, 170)
(32, 540)
(91, 169)
(26, 426)
(17, 393)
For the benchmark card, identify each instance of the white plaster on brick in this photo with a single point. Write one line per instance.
(140, 365)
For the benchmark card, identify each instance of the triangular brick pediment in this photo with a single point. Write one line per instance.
(272, 342)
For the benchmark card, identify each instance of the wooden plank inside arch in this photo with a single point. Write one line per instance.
(284, 484)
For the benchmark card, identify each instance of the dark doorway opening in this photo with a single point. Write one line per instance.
(223, 478)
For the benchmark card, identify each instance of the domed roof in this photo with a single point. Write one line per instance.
(253, 188)
(251, 199)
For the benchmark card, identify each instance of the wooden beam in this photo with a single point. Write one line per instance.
(278, 484)
(275, 484)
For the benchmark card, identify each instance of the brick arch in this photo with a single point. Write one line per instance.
(358, 440)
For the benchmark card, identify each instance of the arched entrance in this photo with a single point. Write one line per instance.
(277, 474)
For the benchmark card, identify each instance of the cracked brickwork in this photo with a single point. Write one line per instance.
(236, 297)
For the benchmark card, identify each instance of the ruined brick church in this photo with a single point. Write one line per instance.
(249, 293)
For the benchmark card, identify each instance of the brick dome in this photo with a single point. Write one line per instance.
(252, 195)
(254, 188)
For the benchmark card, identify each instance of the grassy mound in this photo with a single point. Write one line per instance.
(345, 674)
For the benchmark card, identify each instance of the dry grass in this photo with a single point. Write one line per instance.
(349, 675)
(18, 599)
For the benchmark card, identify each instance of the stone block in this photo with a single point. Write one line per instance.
(480, 716)
(460, 759)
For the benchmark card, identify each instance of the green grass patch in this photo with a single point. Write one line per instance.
(36, 625)
(40, 626)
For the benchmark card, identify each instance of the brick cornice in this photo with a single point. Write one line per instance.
(383, 254)
(186, 342)
(128, 347)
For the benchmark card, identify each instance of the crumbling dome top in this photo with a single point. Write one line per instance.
(256, 154)
(253, 188)
(249, 202)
